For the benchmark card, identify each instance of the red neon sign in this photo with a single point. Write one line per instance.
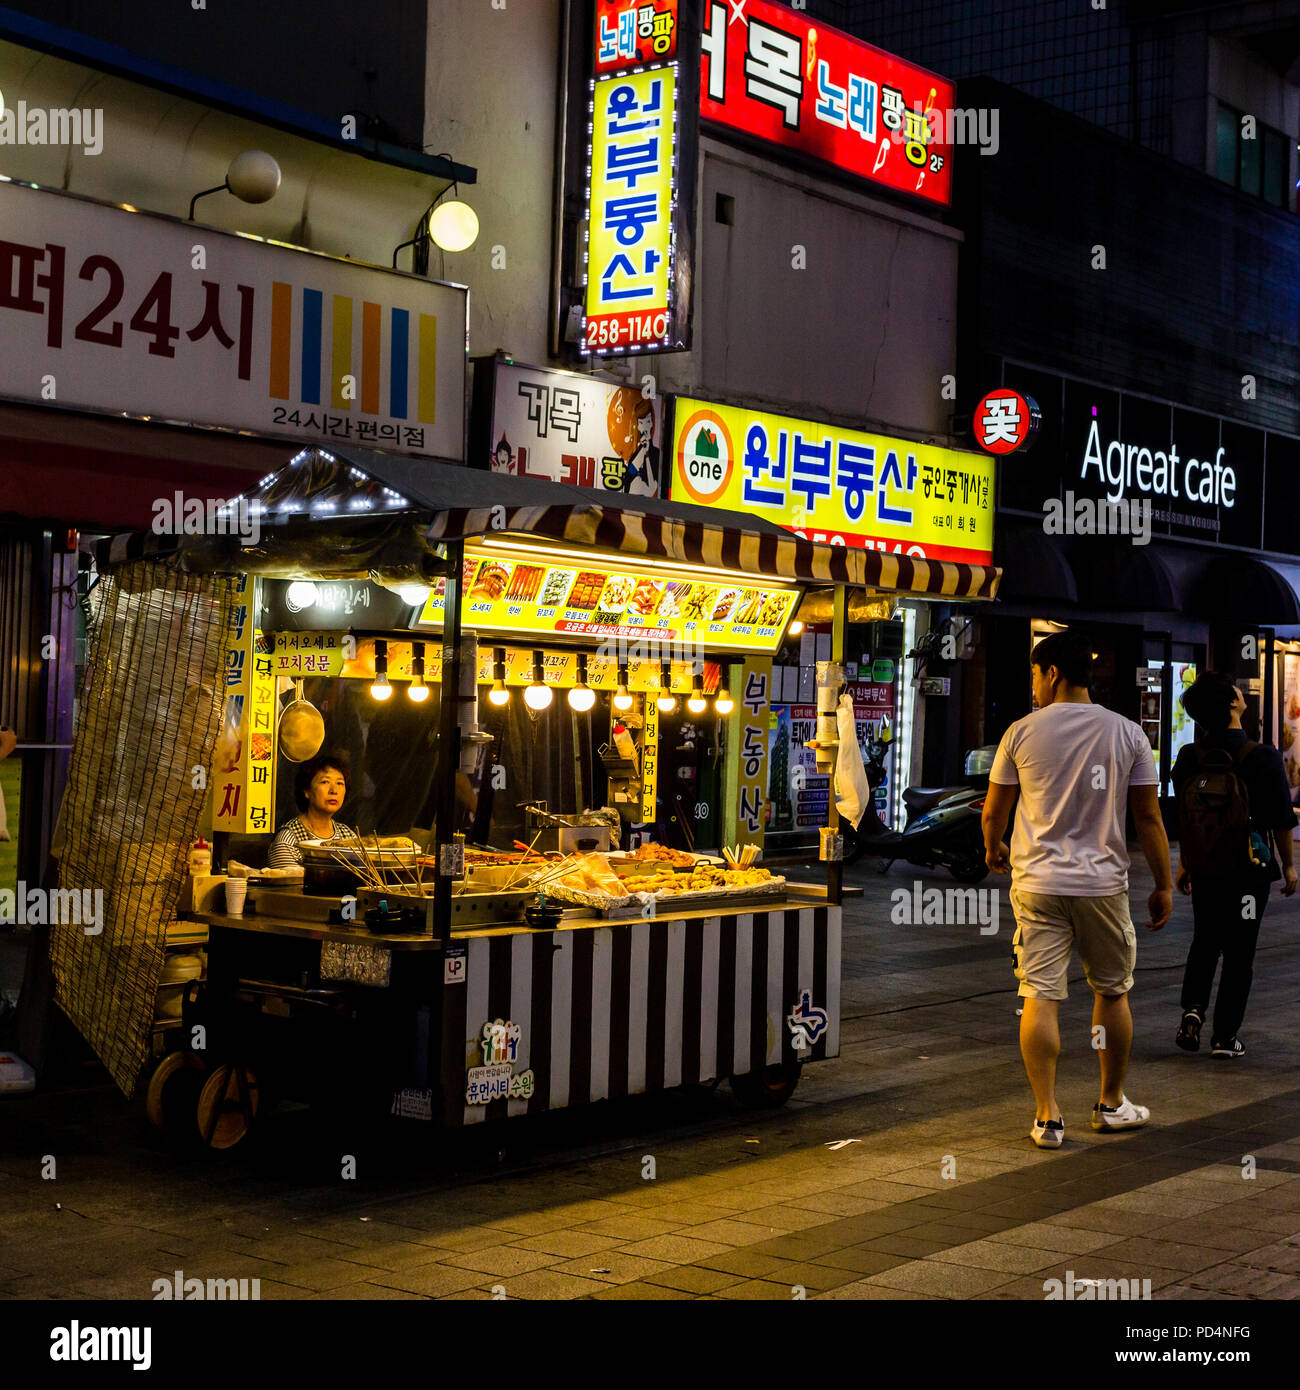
(771, 73)
(634, 33)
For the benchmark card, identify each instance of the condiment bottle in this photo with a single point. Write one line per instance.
(200, 857)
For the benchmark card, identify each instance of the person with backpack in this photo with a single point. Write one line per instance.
(1233, 799)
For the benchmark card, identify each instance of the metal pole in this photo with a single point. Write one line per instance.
(1267, 713)
(444, 824)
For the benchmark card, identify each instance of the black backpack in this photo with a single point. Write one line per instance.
(1214, 814)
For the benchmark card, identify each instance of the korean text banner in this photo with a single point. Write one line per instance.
(103, 309)
(631, 201)
(571, 428)
(776, 75)
(631, 33)
(839, 486)
(601, 601)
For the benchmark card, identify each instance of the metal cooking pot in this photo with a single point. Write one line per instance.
(302, 730)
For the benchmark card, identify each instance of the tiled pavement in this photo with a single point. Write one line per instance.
(943, 1197)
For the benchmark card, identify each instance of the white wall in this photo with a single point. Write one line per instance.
(490, 100)
(861, 336)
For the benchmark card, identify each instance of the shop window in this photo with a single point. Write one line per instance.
(1260, 166)
(1276, 170)
(1228, 130)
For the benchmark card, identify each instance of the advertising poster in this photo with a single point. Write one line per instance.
(533, 598)
(1290, 730)
(570, 428)
(799, 796)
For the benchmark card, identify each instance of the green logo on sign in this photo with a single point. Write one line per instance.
(882, 672)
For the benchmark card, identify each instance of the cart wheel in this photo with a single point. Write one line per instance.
(767, 1089)
(174, 1091)
(227, 1106)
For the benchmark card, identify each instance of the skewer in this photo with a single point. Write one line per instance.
(527, 851)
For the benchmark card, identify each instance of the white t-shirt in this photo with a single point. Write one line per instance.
(1074, 765)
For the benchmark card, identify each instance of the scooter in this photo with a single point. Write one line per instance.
(943, 823)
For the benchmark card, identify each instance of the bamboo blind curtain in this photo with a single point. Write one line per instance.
(147, 718)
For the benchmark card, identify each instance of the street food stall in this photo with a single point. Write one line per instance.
(470, 966)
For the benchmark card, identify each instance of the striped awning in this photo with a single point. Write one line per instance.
(717, 544)
(318, 491)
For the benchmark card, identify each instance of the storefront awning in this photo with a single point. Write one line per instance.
(1034, 566)
(364, 493)
(1113, 575)
(1242, 589)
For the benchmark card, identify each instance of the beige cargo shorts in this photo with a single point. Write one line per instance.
(1049, 927)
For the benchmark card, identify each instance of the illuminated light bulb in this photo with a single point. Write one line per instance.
(498, 695)
(538, 697)
(453, 226)
(623, 700)
(299, 595)
(697, 704)
(418, 691)
(381, 689)
(582, 698)
(724, 704)
(667, 701)
(796, 628)
(416, 595)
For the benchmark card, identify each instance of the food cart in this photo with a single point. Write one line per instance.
(445, 982)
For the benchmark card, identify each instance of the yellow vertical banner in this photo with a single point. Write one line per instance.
(230, 760)
(650, 765)
(745, 802)
(243, 768)
(260, 742)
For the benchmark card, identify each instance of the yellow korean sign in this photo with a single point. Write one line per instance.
(299, 655)
(603, 601)
(748, 743)
(243, 781)
(630, 206)
(839, 486)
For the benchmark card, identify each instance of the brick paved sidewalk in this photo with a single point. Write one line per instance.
(943, 1197)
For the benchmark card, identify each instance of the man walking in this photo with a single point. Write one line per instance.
(1233, 799)
(1075, 766)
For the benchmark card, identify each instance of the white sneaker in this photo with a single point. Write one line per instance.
(1048, 1134)
(1125, 1115)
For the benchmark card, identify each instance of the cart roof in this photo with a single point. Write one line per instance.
(346, 512)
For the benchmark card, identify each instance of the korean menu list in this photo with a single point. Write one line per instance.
(580, 601)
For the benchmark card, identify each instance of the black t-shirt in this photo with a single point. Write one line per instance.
(1262, 772)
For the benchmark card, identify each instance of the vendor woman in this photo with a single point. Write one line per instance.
(320, 789)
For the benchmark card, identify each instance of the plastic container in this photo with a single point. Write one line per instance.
(15, 1075)
(200, 859)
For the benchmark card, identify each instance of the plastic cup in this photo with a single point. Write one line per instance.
(236, 893)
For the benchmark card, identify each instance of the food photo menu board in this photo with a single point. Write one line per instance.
(603, 600)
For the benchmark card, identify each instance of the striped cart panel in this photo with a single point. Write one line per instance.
(617, 1010)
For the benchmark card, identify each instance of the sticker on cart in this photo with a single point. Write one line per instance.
(455, 966)
(806, 1022)
(499, 1082)
(413, 1104)
(501, 1042)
